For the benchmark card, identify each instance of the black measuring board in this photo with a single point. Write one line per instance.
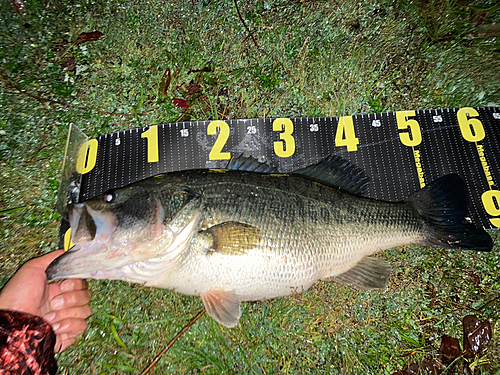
(400, 151)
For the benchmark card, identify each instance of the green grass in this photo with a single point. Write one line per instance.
(321, 58)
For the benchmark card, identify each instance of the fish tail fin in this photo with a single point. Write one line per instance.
(443, 205)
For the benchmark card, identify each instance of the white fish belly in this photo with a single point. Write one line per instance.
(268, 272)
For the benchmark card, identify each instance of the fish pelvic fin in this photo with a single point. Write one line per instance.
(223, 306)
(368, 274)
(443, 205)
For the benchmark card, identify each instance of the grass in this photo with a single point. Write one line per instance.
(312, 58)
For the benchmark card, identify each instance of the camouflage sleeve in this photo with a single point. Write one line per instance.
(26, 345)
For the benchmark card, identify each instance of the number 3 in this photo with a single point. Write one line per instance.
(286, 146)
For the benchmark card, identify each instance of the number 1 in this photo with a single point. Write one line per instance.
(152, 137)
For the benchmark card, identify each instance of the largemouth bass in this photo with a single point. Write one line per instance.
(248, 233)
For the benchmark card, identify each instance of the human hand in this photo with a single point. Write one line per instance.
(64, 305)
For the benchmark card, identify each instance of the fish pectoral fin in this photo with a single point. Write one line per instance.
(368, 274)
(233, 238)
(223, 306)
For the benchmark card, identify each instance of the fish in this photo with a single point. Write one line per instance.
(249, 232)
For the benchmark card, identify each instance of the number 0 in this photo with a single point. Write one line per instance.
(68, 244)
(87, 156)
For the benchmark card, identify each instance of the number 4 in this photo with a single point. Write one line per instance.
(345, 134)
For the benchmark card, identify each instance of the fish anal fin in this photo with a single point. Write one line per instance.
(223, 306)
(368, 274)
(233, 238)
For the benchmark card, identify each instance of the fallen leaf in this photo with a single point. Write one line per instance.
(69, 64)
(88, 37)
(193, 89)
(18, 5)
(428, 368)
(449, 349)
(206, 69)
(413, 369)
(180, 103)
(165, 83)
(480, 19)
(477, 335)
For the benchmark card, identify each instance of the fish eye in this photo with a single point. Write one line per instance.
(110, 197)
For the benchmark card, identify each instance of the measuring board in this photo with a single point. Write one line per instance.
(400, 152)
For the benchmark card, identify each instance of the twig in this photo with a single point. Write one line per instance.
(488, 303)
(158, 357)
(68, 105)
(181, 117)
(41, 143)
(209, 106)
(255, 41)
(303, 45)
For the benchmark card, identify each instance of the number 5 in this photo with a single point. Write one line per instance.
(413, 137)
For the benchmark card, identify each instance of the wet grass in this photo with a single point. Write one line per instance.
(312, 58)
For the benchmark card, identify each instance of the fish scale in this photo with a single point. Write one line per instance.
(288, 238)
(239, 235)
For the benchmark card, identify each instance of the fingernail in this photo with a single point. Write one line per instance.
(67, 286)
(55, 326)
(57, 303)
(50, 317)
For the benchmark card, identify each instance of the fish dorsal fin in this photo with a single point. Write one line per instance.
(249, 164)
(233, 238)
(368, 274)
(336, 172)
(223, 306)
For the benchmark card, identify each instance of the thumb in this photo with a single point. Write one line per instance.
(45, 260)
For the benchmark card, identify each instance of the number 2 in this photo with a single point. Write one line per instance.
(216, 152)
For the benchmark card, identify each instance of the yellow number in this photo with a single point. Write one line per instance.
(472, 129)
(152, 136)
(286, 146)
(491, 203)
(68, 244)
(87, 156)
(345, 135)
(220, 142)
(413, 137)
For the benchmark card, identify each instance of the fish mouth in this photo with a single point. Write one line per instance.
(90, 232)
(83, 227)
